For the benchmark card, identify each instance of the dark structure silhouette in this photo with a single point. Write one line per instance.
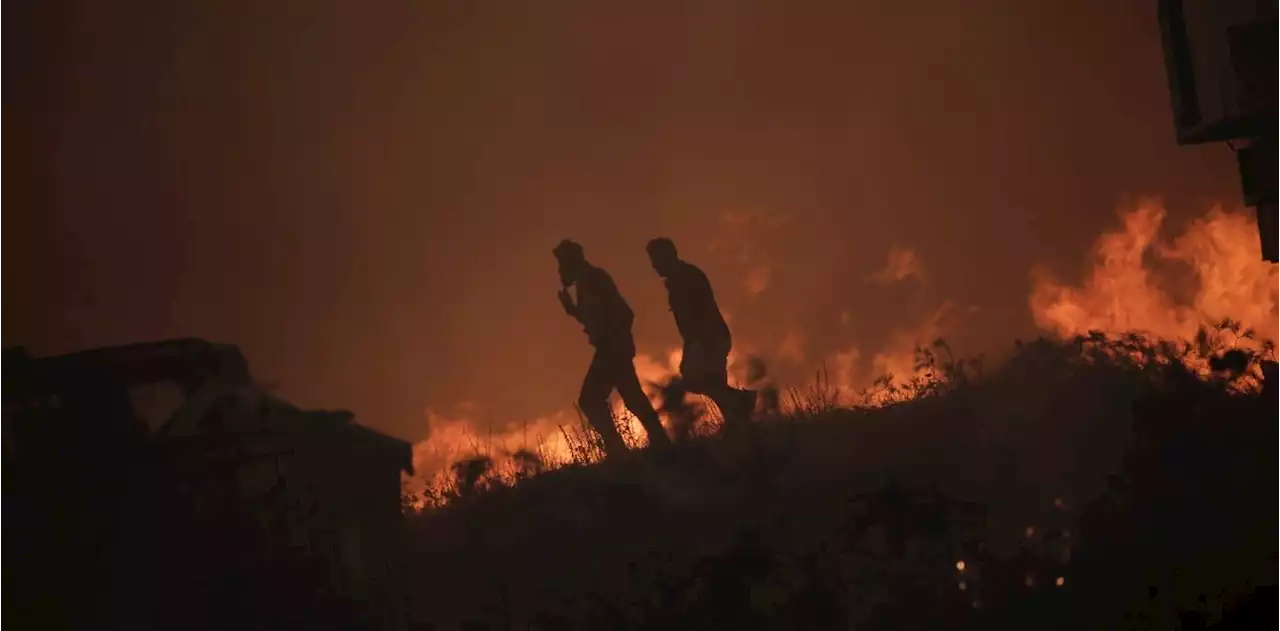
(707, 341)
(156, 486)
(607, 319)
(1220, 59)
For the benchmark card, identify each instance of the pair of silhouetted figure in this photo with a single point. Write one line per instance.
(607, 318)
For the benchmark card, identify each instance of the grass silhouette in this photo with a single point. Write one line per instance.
(1091, 483)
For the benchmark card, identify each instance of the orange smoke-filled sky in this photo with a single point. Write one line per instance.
(365, 199)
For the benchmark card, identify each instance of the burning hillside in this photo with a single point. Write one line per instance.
(1159, 286)
(1125, 292)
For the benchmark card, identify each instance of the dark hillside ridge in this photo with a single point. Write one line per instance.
(1147, 491)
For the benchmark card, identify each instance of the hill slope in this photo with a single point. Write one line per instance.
(1075, 485)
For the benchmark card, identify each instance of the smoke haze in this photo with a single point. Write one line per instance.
(365, 200)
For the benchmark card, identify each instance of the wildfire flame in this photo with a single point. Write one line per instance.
(457, 438)
(1123, 294)
(1126, 290)
(453, 439)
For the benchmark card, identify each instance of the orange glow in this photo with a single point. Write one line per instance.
(757, 280)
(1127, 289)
(462, 435)
(1126, 292)
(455, 438)
(903, 263)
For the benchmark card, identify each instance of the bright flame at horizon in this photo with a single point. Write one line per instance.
(1124, 294)
(1121, 293)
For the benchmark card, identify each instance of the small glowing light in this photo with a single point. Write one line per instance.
(963, 586)
(1029, 580)
(1059, 503)
(960, 566)
(1066, 534)
(1030, 531)
(1060, 582)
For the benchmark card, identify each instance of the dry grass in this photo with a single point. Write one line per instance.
(1036, 443)
(687, 418)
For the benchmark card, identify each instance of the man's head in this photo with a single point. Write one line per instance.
(662, 253)
(571, 261)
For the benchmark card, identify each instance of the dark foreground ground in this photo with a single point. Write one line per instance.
(1097, 484)
(1079, 486)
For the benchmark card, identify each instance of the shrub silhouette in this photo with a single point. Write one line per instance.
(1181, 533)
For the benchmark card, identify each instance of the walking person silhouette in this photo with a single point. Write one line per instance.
(607, 319)
(704, 366)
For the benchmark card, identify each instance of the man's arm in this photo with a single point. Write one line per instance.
(566, 301)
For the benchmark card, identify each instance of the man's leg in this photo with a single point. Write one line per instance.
(593, 400)
(633, 396)
(735, 405)
(705, 372)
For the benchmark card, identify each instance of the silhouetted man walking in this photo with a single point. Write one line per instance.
(704, 364)
(607, 319)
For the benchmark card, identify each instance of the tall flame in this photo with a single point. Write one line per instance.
(1127, 289)
(1123, 293)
